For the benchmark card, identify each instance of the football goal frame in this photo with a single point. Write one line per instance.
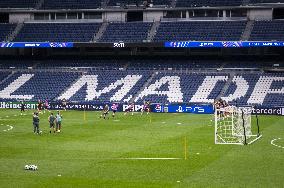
(233, 125)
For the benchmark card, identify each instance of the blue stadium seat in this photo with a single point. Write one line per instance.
(211, 3)
(57, 32)
(200, 31)
(268, 31)
(126, 32)
(5, 30)
(18, 3)
(71, 4)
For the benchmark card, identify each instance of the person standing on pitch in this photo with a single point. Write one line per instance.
(36, 123)
(105, 112)
(51, 120)
(58, 122)
(22, 107)
(114, 109)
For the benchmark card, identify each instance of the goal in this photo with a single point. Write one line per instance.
(233, 125)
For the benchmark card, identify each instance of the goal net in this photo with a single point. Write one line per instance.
(233, 125)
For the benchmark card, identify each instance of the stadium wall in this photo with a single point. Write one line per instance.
(152, 16)
(260, 14)
(20, 17)
(114, 16)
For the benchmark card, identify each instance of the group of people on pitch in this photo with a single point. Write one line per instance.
(105, 111)
(55, 122)
(129, 109)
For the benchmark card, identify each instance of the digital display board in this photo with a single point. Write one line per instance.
(37, 45)
(183, 108)
(222, 44)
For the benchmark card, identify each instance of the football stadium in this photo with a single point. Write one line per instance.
(141, 93)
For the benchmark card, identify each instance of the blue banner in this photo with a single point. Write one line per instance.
(222, 44)
(37, 45)
(183, 108)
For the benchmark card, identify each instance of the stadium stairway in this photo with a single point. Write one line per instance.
(173, 3)
(6, 76)
(247, 32)
(105, 3)
(16, 31)
(246, 2)
(146, 84)
(226, 86)
(39, 4)
(153, 30)
(100, 32)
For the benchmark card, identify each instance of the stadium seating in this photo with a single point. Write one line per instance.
(16, 64)
(71, 4)
(126, 32)
(183, 87)
(200, 31)
(106, 85)
(97, 80)
(57, 32)
(256, 89)
(18, 3)
(102, 64)
(39, 85)
(5, 30)
(268, 30)
(3, 75)
(265, 1)
(211, 3)
(170, 64)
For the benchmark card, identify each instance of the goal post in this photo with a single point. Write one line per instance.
(233, 125)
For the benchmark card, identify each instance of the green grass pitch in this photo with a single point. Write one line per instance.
(96, 152)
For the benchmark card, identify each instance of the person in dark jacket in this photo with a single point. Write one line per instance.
(36, 123)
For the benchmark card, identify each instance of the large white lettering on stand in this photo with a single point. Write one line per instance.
(241, 90)
(174, 93)
(6, 93)
(206, 88)
(262, 88)
(92, 82)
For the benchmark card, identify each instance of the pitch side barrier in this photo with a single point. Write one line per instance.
(156, 108)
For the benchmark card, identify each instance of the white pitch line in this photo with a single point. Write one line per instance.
(145, 158)
(10, 128)
(272, 142)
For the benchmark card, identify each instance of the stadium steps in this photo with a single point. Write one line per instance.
(39, 4)
(226, 86)
(246, 2)
(16, 31)
(146, 84)
(174, 3)
(247, 32)
(4, 80)
(35, 65)
(105, 3)
(153, 30)
(101, 31)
